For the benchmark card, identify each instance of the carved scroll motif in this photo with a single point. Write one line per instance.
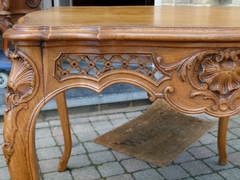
(22, 85)
(33, 3)
(213, 74)
(96, 65)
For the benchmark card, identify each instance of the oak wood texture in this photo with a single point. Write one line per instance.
(188, 56)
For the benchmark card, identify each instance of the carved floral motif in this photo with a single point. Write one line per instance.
(222, 72)
(213, 74)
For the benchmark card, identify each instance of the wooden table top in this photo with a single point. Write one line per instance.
(130, 22)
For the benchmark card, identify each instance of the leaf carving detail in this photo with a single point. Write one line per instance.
(213, 74)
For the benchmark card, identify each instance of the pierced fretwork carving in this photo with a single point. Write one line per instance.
(96, 65)
(22, 85)
(213, 74)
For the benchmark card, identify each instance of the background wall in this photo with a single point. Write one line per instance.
(202, 2)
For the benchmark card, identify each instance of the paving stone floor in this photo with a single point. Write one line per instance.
(90, 161)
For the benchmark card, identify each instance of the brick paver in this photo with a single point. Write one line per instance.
(91, 161)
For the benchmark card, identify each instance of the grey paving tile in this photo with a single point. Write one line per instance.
(121, 177)
(236, 119)
(98, 118)
(56, 131)
(134, 114)
(45, 142)
(147, 174)
(234, 158)
(179, 172)
(42, 125)
(210, 177)
(196, 168)
(201, 152)
(1, 128)
(87, 136)
(184, 157)
(132, 165)
(118, 122)
(214, 148)
(85, 173)
(214, 165)
(116, 116)
(110, 169)
(233, 124)
(48, 153)
(235, 131)
(60, 140)
(84, 127)
(234, 144)
(1, 138)
(120, 156)
(103, 131)
(94, 147)
(1, 152)
(4, 174)
(208, 139)
(101, 157)
(230, 135)
(214, 129)
(58, 175)
(49, 165)
(44, 132)
(78, 161)
(102, 125)
(79, 120)
(2, 161)
(196, 144)
(78, 149)
(231, 174)
(56, 122)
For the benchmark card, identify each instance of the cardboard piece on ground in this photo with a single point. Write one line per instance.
(157, 136)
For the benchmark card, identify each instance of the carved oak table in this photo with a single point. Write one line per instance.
(189, 56)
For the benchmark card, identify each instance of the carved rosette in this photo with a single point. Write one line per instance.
(213, 74)
(22, 85)
(33, 3)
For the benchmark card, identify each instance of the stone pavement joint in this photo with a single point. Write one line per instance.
(91, 161)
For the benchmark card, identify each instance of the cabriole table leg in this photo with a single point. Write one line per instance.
(222, 137)
(63, 115)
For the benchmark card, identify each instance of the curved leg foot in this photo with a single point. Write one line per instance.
(222, 136)
(63, 115)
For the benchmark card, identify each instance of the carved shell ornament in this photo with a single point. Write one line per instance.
(21, 82)
(213, 74)
(22, 85)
